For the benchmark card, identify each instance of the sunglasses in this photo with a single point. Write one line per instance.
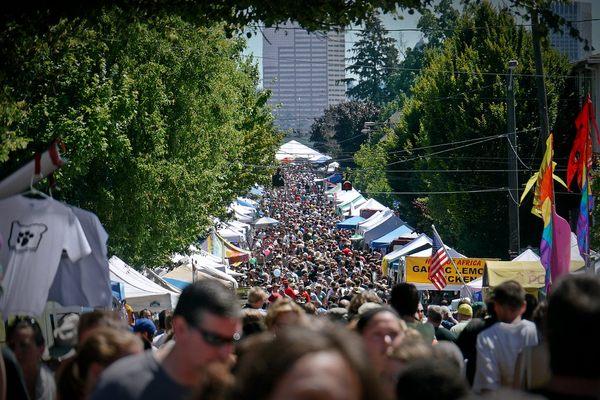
(214, 339)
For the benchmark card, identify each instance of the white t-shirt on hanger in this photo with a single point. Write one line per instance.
(37, 231)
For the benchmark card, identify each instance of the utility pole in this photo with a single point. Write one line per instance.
(539, 72)
(513, 174)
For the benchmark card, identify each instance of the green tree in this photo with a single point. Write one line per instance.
(338, 131)
(375, 56)
(436, 25)
(159, 116)
(460, 96)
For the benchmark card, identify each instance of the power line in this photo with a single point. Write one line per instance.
(297, 60)
(492, 190)
(446, 150)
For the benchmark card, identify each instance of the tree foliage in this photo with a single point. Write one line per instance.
(460, 96)
(436, 26)
(159, 116)
(375, 59)
(338, 131)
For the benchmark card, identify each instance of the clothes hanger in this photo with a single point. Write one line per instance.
(33, 191)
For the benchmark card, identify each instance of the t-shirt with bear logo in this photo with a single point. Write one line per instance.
(37, 231)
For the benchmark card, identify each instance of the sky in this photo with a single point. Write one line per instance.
(408, 39)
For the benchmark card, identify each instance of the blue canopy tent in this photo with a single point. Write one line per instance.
(389, 237)
(335, 178)
(244, 203)
(350, 223)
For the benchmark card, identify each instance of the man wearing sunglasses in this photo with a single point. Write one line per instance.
(206, 325)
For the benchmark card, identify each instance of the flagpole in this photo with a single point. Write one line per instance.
(435, 232)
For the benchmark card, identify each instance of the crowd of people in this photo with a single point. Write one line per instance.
(320, 322)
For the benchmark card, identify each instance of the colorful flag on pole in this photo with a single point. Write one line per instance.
(561, 247)
(583, 221)
(581, 152)
(439, 257)
(580, 164)
(543, 202)
(555, 246)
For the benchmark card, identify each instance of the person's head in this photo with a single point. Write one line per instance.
(253, 322)
(405, 299)
(509, 301)
(448, 351)
(431, 379)
(300, 363)
(420, 314)
(464, 313)
(284, 312)
(24, 337)
(102, 347)
(434, 315)
(146, 329)
(368, 296)
(446, 314)
(539, 318)
(309, 308)
(257, 297)
(573, 325)
(165, 318)
(206, 323)
(145, 313)
(98, 318)
(379, 328)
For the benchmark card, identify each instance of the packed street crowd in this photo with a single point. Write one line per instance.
(321, 321)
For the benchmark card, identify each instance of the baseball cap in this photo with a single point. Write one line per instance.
(465, 309)
(144, 325)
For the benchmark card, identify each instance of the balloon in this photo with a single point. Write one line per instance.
(253, 261)
(277, 272)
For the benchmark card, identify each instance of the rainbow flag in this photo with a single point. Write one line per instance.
(218, 246)
(583, 221)
(543, 203)
(555, 248)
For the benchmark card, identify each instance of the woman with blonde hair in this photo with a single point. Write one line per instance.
(284, 312)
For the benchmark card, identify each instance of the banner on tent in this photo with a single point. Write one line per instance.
(417, 269)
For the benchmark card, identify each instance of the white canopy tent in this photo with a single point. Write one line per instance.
(350, 205)
(296, 151)
(232, 235)
(387, 224)
(577, 261)
(141, 292)
(373, 221)
(239, 226)
(370, 204)
(182, 276)
(265, 221)
(420, 247)
(342, 197)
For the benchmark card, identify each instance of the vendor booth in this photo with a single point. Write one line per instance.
(403, 231)
(349, 223)
(368, 208)
(388, 223)
(530, 274)
(294, 151)
(141, 292)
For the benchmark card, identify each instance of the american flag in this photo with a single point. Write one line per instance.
(439, 257)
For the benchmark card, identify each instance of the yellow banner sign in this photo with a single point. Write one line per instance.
(417, 270)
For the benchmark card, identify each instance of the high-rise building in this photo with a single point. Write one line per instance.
(304, 71)
(581, 12)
